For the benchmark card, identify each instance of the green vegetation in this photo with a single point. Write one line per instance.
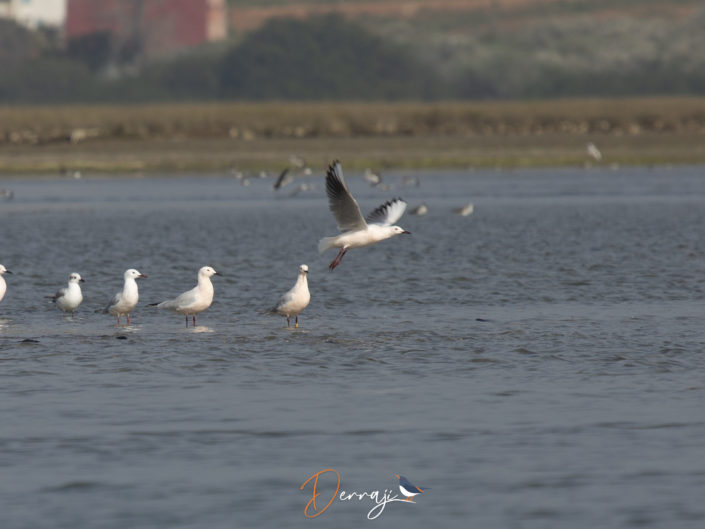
(578, 48)
(322, 58)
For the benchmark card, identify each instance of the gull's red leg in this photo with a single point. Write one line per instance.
(337, 259)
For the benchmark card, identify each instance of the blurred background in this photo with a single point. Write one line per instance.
(552, 154)
(392, 51)
(146, 50)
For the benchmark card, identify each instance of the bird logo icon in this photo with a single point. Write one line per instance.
(408, 489)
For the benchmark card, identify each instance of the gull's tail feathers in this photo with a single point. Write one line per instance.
(326, 243)
(168, 304)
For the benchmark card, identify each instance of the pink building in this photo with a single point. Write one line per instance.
(161, 27)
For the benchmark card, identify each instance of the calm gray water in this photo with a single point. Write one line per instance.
(540, 363)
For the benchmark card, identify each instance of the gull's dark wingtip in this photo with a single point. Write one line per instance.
(281, 178)
(335, 185)
(333, 168)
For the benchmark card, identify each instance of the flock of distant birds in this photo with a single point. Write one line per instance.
(356, 230)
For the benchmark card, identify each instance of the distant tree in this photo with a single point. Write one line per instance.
(17, 43)
(93, 50)
(191, 76)
(322, 58)
(52, 80)
(471, 84)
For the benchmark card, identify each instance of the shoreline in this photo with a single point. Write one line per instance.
(218, 155)
(216, 137)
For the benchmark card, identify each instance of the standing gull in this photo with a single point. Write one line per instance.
(196, 300)
(124, 302)
(357, 231)
(420, 210)
(3, 285)
(465, 210)
(372, 178)
(68, 299)
(296, 299)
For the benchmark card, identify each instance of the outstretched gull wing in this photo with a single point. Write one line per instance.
(341, 203)
(388, 213)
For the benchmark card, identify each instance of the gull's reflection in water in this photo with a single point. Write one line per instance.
(199, 328)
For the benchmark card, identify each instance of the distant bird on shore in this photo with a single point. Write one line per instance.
(68, 299)
(296, 299)
(196, 300)
(357, 231)
(3, 285)
(371, 177)
(593, 151)
(304, 186)
(7, 194)
(236, 173)
(419, 210)
(466, 210)
(411, 181)
(299, 163)
(124, 302)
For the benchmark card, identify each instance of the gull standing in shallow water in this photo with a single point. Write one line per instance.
(68, 299)
(3, 285)
(124, 302)
(357, 231)
(196, 300)
(296, 299)
(465, 210)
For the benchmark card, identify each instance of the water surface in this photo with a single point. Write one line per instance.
(536, 364)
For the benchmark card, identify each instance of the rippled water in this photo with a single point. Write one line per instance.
(539, 363)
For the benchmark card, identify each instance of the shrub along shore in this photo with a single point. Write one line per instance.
(219, 136)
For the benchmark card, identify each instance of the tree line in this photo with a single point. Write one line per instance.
(331, 58)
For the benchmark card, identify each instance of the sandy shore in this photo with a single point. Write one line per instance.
(218, 137)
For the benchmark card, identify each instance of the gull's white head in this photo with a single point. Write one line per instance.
(4, 270)
(75, 278)
(396, 230)
(303, 269)
(207, 271)
(133, 274)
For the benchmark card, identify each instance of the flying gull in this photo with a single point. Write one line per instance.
(357, 231)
